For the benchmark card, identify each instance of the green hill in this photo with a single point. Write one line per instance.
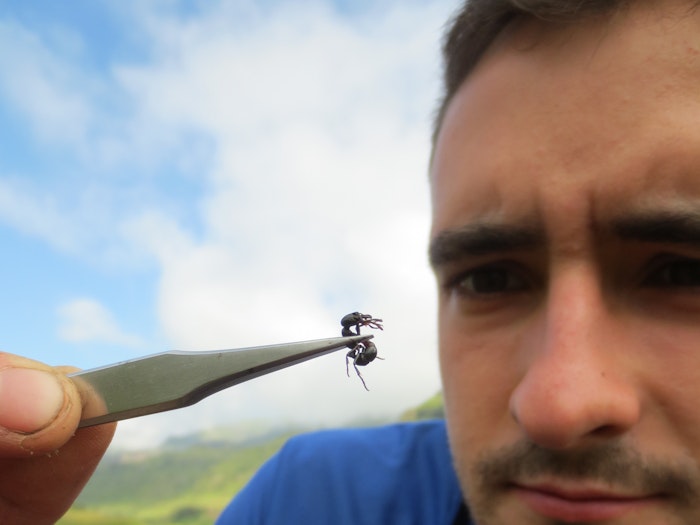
(190, 479)
(187, 486)
(433, 408)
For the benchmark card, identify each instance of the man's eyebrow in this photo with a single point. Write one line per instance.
(675, 227)
(477, 239)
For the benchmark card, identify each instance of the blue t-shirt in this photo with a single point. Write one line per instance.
(399, 474)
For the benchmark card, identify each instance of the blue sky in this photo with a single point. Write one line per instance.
(201, 175)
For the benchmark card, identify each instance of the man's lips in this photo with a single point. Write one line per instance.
(579, 503)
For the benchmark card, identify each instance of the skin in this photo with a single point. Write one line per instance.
(44, 461)
(566, 247)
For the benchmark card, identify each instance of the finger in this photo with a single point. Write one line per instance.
(44, 461)
(40, 489)
(39, 407)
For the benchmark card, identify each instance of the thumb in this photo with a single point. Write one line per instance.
(44, 461)
(39, 407)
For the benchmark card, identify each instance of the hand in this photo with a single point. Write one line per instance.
(44, 461)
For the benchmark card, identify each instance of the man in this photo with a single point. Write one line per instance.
(565, 185)
(565, 241)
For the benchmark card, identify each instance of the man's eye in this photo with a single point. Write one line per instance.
(490, 280)
(680, 273)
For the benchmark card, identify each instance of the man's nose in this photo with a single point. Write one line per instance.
(576, 384)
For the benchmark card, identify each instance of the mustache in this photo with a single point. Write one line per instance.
(613, 464)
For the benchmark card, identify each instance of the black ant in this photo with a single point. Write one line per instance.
(362, 353)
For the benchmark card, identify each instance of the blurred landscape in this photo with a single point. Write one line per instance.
(190, 479)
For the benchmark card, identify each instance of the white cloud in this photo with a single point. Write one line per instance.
(314, 197)
(88, 321)
(317, 205)
(44, 85)
(35, 214)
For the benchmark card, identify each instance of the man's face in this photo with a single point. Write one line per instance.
(566, 245)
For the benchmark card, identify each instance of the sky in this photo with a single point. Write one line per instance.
(204, 175)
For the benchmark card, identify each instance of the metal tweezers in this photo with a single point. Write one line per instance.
(177, 379)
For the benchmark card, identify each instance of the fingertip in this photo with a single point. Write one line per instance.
(39, 411)
(61, 428)
(31, 399)
(41, 408)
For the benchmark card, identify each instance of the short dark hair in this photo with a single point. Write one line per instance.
(473, 28)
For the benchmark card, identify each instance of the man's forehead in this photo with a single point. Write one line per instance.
(606, 103)
(604, 43)
(628, 21)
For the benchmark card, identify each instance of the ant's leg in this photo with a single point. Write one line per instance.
(353, 354)
(360, 376)
(373, 323)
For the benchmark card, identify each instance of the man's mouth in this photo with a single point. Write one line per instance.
(572, 503)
